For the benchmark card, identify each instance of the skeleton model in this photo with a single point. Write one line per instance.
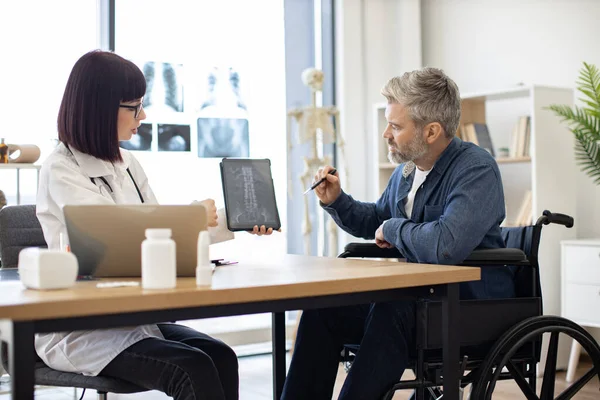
(315, 126)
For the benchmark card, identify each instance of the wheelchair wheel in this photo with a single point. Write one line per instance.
(525, 332)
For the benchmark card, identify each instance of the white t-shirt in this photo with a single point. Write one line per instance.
(417, 182)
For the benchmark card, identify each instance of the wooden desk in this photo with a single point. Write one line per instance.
(289, 282)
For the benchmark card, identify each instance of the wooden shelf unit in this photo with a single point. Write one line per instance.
(508, 160)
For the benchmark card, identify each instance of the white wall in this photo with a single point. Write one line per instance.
(482, 44)
(369, 51)
(493, 44)
(375, 40)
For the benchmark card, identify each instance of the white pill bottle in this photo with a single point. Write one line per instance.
(159, 264)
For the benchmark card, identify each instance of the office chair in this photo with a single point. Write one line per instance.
(20, 228)
(495, 334)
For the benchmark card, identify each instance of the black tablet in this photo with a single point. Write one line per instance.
(249, 194)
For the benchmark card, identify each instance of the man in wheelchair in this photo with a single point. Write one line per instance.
(443, 201)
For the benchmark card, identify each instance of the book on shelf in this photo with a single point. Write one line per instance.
(521, 137)
(477, 133)
(525, 216)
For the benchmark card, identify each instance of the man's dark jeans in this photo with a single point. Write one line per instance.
(187, 365)
(386, 334)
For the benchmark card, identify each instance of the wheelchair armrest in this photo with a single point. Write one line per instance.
(482, 258)
(369, 250)
(495, 257)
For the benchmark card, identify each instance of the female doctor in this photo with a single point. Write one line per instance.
(102, 105)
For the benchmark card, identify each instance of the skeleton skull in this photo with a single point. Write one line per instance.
(313, 78)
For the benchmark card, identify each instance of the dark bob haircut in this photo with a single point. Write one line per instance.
(87, 119)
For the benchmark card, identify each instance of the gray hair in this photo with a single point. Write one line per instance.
(429, 95)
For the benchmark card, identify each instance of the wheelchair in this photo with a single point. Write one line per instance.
(492, 348)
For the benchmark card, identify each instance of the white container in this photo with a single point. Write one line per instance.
(47, 269)
(204, 269)
(159, 264)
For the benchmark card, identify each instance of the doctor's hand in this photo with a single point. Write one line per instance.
(262, 230)
(330, 189)
(211, 212)
(380, 241)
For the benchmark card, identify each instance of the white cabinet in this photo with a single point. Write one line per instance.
(580, 284)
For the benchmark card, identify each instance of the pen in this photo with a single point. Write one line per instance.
(332, 172)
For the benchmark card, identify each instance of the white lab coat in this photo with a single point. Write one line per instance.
(65, 179)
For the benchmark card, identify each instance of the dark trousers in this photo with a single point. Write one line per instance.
(186, 365)
(386, 334)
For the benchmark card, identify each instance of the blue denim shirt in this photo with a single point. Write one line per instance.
(458, 209)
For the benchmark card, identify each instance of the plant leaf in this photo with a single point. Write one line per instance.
(584, 123)
(589, 83)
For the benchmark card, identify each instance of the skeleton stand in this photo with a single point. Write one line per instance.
(315, 126)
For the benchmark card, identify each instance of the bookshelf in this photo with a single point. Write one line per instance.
(546, 175)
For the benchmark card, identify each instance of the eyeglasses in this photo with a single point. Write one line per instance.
(137, 109)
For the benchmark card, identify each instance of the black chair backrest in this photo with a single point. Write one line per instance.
(526, 238)
(19, 228)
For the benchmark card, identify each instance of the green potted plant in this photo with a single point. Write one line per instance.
(584, 121)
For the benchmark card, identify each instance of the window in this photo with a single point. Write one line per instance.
(40, 43)
(226, 61)
(216, 87)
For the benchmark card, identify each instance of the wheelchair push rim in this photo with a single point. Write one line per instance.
(527, 332)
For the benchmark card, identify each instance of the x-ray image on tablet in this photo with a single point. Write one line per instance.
(249, 194)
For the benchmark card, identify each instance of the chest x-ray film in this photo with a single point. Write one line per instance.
(249, 194)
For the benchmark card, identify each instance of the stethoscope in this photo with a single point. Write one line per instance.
(103, 179)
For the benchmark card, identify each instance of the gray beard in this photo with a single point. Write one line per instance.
(396, 158)
(415, 149)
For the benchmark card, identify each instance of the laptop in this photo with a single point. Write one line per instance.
(107, 239)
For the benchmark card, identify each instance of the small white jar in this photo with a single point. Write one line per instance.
(159, 264)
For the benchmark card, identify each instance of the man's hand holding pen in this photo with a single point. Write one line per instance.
(330, 189)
